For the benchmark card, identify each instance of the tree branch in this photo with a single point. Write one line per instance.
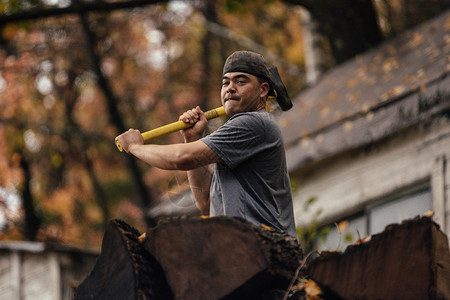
(75, 8)
(116, 119)
(245, 42)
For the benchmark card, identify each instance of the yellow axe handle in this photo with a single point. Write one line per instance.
(175, 126)
(179, 125)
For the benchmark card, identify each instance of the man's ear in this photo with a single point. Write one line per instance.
(264, 89)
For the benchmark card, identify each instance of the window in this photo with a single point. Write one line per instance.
(398, 210)
(349, 232)
(375, 218)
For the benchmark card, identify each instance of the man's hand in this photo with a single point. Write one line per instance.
(130, 138)
(196, 117)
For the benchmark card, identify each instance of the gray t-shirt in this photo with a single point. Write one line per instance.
(252, 181)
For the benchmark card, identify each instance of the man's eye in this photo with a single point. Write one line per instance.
(225, 83)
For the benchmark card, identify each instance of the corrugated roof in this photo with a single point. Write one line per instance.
(365, 86)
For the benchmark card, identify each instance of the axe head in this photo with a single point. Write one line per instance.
(278, 89)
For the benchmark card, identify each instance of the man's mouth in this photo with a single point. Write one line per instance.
(235, 98)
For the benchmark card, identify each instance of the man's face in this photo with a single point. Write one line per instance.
(242, 92)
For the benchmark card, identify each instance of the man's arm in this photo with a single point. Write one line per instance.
(200, 178)
(187, 156)
(194, 155)
(200, 183)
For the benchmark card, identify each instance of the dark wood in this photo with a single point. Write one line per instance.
(410, 260)
(214, 258)
(124, 270)
(227, 258)
(223, 258)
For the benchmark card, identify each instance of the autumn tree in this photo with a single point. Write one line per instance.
(74, 74)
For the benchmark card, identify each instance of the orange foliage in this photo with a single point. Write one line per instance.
(54, 113)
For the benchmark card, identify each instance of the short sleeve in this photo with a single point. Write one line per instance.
(238, 139)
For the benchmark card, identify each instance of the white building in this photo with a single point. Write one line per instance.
(38, 271)
(370, 141)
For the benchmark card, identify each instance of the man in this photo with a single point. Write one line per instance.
(249, 179)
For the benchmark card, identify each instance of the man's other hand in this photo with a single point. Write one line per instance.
(130, 138)
(197, 118)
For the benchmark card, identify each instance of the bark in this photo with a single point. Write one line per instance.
(209, 12)
(193, 258)
(406, 261)
(32, 221)
(124, 270)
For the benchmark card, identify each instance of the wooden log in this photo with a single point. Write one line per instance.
(406, 261)
(223, 258)
(124, 270)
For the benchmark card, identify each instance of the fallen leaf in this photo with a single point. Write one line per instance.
(342, 226)
(429, 214)
(417, 40)
(266, 227)
(364, 240)
(353, 98)
(369, 116)
(142, 238)
(348, 125)
(333, 95)
(352, 82)
(312, 290)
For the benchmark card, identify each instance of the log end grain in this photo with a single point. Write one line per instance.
(410, 260)
(223, 256)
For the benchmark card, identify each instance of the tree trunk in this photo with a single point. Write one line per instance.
(32, 221)
(313, 47)
(116, 119)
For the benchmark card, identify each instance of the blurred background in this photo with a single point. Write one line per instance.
(75, 73)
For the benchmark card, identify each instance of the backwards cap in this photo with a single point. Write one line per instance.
(255, 64)
(247, 62)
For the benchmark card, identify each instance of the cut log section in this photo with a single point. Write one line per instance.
(223, 258)
(124, 270)
(410, 260)
(215, 258)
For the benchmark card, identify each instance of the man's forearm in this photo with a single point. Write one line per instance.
(200, 183)
(160, 156)
(200, 178)
(188, 156)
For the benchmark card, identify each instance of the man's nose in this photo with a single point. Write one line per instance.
(231, 88)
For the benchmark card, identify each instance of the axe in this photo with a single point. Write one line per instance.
(277, 91)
